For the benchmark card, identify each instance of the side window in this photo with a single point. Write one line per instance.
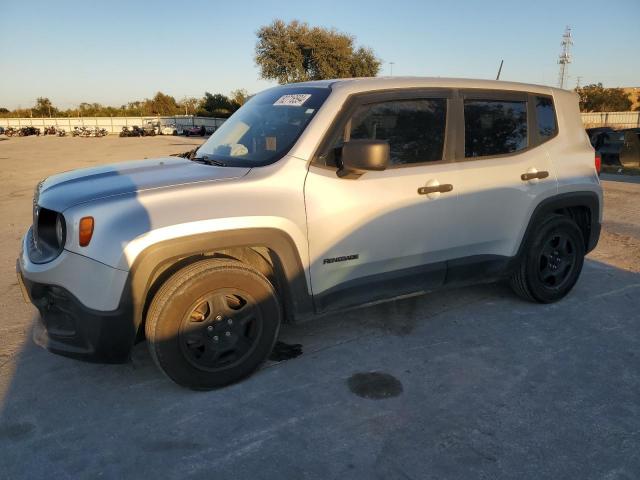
(494, 127)
(546, 116)
(415, 129)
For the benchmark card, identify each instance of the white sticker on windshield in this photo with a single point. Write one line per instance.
(293, 100)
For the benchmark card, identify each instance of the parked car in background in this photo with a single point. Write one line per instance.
(169, 129)
(618, 147)
(195, 131)
(151, 128)
(595, 132)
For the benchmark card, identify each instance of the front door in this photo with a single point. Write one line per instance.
(386, 233)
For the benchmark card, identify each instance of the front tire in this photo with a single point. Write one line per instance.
(213, 323)
(552, 261)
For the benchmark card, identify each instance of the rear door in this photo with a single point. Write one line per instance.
(382, 234)
(503, 170)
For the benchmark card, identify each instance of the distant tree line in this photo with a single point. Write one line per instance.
(210, 105)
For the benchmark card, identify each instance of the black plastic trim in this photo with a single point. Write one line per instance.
(155, 259)
(69, 328)
(567, 200)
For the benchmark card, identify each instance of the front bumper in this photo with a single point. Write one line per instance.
(69, 328)
(93, 323)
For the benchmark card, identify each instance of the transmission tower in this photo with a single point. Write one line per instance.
(565, 57)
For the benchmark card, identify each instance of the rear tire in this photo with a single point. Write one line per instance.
(213, 323)
(552, 261)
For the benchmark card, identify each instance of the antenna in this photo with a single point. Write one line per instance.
(499, 70)
(391, 64)
(565, 57)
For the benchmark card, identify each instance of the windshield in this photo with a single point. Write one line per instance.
(265, 128)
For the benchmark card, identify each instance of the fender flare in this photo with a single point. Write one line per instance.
(588, 199)
(155, 259)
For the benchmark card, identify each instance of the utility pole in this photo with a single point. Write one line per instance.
(578, 78)
(500, 69)
(565, 57)
(391, 68)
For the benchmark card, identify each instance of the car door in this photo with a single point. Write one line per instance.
(504, 170)
(388, 232)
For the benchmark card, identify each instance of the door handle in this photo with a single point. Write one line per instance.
(531, 175)
(445, 187)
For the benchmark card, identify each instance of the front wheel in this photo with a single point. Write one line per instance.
(213, 323)
(552, 261)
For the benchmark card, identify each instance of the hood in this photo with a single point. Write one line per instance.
(67, 189)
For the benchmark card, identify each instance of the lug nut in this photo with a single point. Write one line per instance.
(227, 333)
(218, 317)
(215, 339)
(210, 328)
(230, 322)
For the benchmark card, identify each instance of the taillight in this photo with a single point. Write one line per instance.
(85, 231)
(598, 163)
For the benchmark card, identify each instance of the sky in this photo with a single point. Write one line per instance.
(116, 51)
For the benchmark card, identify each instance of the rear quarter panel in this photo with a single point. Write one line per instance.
(571, 152)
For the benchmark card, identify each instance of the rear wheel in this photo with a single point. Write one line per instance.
(213, 323)
(552, 261)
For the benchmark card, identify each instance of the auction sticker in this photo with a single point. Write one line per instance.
(293, 100)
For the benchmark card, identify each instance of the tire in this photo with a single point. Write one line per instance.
(552, 261)
(213, 323)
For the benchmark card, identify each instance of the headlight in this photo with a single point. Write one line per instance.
(48, 235)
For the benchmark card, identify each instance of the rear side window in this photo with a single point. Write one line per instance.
(494, 127)
(546, 116)
(415, 129)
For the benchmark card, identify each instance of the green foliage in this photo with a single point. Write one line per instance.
(596, 98)
(239, 97)
(296, 52)
(189, 105)
(44, 108)
(219, 105)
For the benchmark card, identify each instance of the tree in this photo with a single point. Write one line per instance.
(189, 105)
(596, 98)
(215, 105)
(238, 98)
(44, 108)
(160, 104)
(296, 52)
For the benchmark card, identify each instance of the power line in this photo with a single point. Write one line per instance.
(565, 57)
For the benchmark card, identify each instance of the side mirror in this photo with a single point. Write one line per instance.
(360, 156)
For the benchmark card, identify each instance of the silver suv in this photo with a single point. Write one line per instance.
(312, 197)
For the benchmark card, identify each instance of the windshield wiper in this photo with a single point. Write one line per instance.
(209, 161)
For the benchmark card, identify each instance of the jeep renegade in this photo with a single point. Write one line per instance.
(312, 197)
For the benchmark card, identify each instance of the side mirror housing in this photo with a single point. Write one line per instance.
(361, 156)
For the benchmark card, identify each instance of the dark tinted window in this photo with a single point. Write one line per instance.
(546, 115)
(414, 128)
(494, 127)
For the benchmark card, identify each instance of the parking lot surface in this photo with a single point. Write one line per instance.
(469, 383)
